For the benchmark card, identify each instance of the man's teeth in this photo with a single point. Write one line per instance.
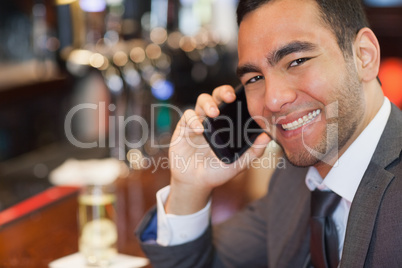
(301, 121)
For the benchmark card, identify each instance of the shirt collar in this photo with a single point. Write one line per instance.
(345, 176)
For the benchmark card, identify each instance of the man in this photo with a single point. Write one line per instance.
(310, 69)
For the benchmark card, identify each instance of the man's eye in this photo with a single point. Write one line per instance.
(254, 79)
(298, 62)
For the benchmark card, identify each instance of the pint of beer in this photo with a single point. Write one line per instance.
(97, 222)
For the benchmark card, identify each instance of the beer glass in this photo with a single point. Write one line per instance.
(97, 222)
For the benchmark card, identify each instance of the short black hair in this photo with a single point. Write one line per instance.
(344, 17)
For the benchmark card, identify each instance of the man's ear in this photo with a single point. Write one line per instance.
(367, 52)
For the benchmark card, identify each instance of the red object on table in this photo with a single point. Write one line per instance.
(36, 202)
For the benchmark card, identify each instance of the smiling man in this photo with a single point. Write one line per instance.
(309, 69)
(297, 67)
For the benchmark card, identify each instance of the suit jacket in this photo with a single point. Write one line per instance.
(274, 231)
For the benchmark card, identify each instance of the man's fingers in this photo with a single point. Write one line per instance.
(259, 145)
(257, 149)
(224, 94)
(190, 121)
(207, 105)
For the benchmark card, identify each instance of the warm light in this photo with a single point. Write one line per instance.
(391, 78)
(137, 55)
(80, 56)
(96, 60)
(64, 2)
(153, 51)
(173, 40)
(201, 39)
(158, 35)
(78, 61)
(187, 43)
(120, 58)
(105, 64)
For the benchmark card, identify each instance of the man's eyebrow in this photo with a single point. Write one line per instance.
(297, 46)
(247, 68)
(275, 56)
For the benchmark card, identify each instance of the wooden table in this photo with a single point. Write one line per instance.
(46, 227)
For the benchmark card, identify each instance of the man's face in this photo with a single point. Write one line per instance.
(298, 80)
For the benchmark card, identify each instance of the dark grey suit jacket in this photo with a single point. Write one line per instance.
(274, 232)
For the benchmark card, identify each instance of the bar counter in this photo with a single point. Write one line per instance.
(44, 228)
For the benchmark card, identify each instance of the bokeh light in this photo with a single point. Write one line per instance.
(391, 78)
(93, 5)
(162, 89)
(153, 51)
(158, 35)
(137, 55)
(96, 60)
(120, 58)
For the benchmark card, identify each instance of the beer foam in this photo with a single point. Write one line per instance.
(85, 172)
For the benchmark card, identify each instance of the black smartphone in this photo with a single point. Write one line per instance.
(233, 131)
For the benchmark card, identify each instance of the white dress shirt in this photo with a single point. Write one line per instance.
(344, 179)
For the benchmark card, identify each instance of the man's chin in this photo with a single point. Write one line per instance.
(302, 160)
(313, 157)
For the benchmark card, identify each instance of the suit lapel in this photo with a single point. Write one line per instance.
(287, 223)
(363, 214)
(367, 200)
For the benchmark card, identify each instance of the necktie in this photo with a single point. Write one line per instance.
(324, 237)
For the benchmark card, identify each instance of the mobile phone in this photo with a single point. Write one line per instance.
(233, 131)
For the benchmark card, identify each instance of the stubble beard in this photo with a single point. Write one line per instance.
(350, 99)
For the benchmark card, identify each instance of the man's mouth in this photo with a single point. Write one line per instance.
(301, 121)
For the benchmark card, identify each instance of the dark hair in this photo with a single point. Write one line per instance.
(344, 17)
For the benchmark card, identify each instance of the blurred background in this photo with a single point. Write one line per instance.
(78, 77)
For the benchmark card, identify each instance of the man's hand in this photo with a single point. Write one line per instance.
(195, 170)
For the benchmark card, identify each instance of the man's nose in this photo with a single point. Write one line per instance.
(278, 94)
